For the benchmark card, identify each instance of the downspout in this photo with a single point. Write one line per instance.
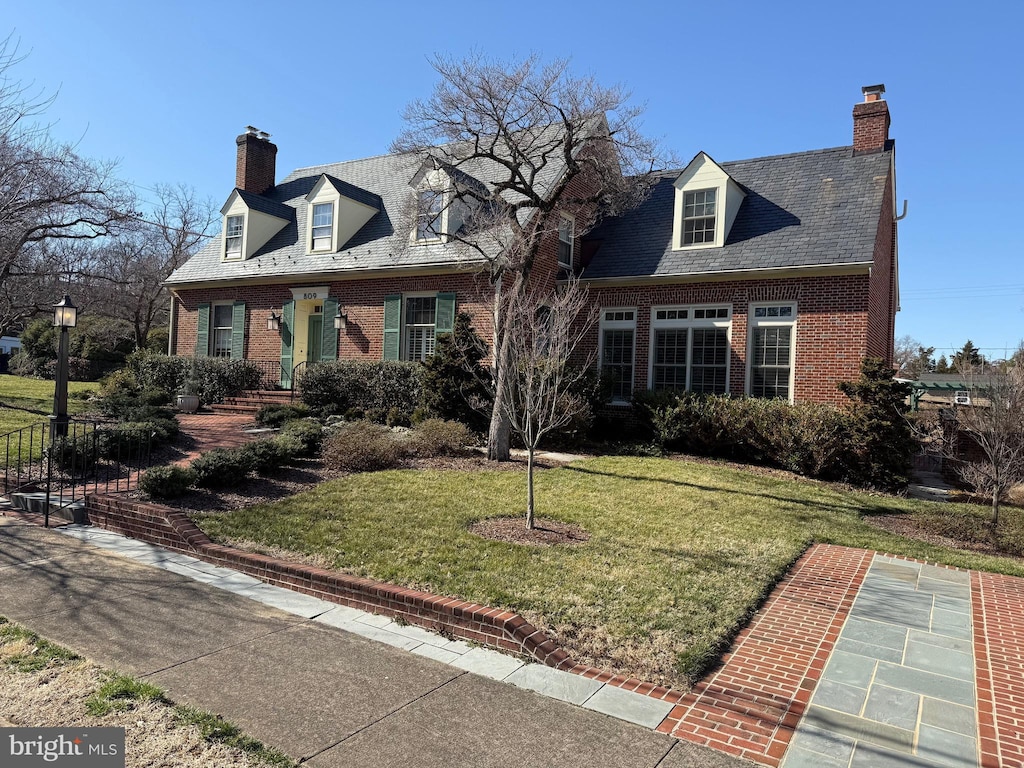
(172, 333)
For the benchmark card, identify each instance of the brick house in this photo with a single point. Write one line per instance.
(770, 277)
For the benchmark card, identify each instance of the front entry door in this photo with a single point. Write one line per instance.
(315, 339)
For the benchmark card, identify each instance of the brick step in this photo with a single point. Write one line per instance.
(231, 408)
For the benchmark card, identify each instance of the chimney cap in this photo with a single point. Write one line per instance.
(873, 92)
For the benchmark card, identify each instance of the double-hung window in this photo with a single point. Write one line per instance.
(429, 214)
(772, 344)
(699, 217)
(566, 238)
(690, 349)
(233, 229)
(220, 330)
(420, 326)
(323, 226)
(618, 335)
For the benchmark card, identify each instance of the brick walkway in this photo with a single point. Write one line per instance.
(998, 605)
(217, 430)
(752, 704)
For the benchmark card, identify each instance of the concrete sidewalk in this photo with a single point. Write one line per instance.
(315, 691)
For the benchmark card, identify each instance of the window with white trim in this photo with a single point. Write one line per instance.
(430, 206)
(690, 349)
(618, 336)
(323, 226)
(220, 330)
(772, 337)
(566, 239)
(420, 322)
(233, 229)
(699, 216)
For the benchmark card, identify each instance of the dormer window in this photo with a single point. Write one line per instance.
(233, 230)
(699, 216)
(566, 238)
(430, 205)
(323, 226)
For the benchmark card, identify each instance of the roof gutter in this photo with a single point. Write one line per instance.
(810, 270)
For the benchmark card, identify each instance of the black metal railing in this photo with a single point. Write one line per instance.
(59, 467)
(271, 372)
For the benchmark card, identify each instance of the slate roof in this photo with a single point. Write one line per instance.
(264, 205)
(809, 208)
(382, 243)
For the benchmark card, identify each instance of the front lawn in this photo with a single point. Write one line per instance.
(679, 557)
(26, 401)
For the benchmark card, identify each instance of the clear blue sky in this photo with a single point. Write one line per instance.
(166, 87)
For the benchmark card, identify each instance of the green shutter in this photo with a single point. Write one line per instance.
(329, 342)
(287, 344)
(392, 326)
(444, 315)
(238, 330)
(203, 331)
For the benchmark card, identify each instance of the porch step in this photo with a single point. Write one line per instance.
(64, 507)
(236, 407)
(251, 401)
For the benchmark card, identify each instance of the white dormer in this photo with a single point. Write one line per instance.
(247, 229)
(335, 211)
(440, 209)
(706, 203)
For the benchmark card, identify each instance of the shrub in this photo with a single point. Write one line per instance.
(308, 432)
(453, 377)
(882, 441)
(128, 440)
(214, 378)
(437, 437)
(276, 414)
(166, 482)
(362, 447)
(222, 467)
(269, 454)
(291, 447)
(339, 387)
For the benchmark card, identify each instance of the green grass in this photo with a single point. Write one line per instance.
(680, 553)
(120, 693)
(216, 729)
(29, 401)
(25, 651)
(24, 402)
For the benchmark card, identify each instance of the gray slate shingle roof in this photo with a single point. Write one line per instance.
(809, 208)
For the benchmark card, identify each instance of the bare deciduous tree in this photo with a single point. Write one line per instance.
(995, 423)
(519, 141)
(48, 191)
(134, 263)
(543, 373)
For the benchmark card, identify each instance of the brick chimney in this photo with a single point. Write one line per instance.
(257, 161)
(871, 121)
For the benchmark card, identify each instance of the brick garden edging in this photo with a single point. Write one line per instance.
(507, 631)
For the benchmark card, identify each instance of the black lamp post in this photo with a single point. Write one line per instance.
(65, 315)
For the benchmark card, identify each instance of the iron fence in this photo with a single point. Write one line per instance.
(56, 468)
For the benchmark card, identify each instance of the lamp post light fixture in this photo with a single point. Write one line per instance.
(274, 322)
(65, 316)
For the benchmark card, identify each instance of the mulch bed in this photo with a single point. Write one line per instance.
(546, 533)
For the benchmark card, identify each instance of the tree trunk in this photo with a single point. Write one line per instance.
(499, 433)
(995, 511)
(529, 487)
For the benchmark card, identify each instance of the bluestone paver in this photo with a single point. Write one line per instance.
(629, 706)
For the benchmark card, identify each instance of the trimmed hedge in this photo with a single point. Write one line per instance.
(867, 444)
(374, 389)
(166, 482)
(362, 446)
(214, 378)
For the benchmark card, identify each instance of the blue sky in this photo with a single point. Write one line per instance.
(166, 87)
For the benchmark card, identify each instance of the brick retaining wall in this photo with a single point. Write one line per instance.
(173, 530)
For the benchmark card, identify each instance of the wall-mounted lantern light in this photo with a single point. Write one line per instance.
(340, 321)
(274, 322)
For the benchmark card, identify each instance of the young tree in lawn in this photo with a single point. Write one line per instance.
(995, 423)
(520, 141)
(543, 371)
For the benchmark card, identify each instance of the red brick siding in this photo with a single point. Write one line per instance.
(831, 325)
(870, 126)
(361, 300)
(882, 300)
